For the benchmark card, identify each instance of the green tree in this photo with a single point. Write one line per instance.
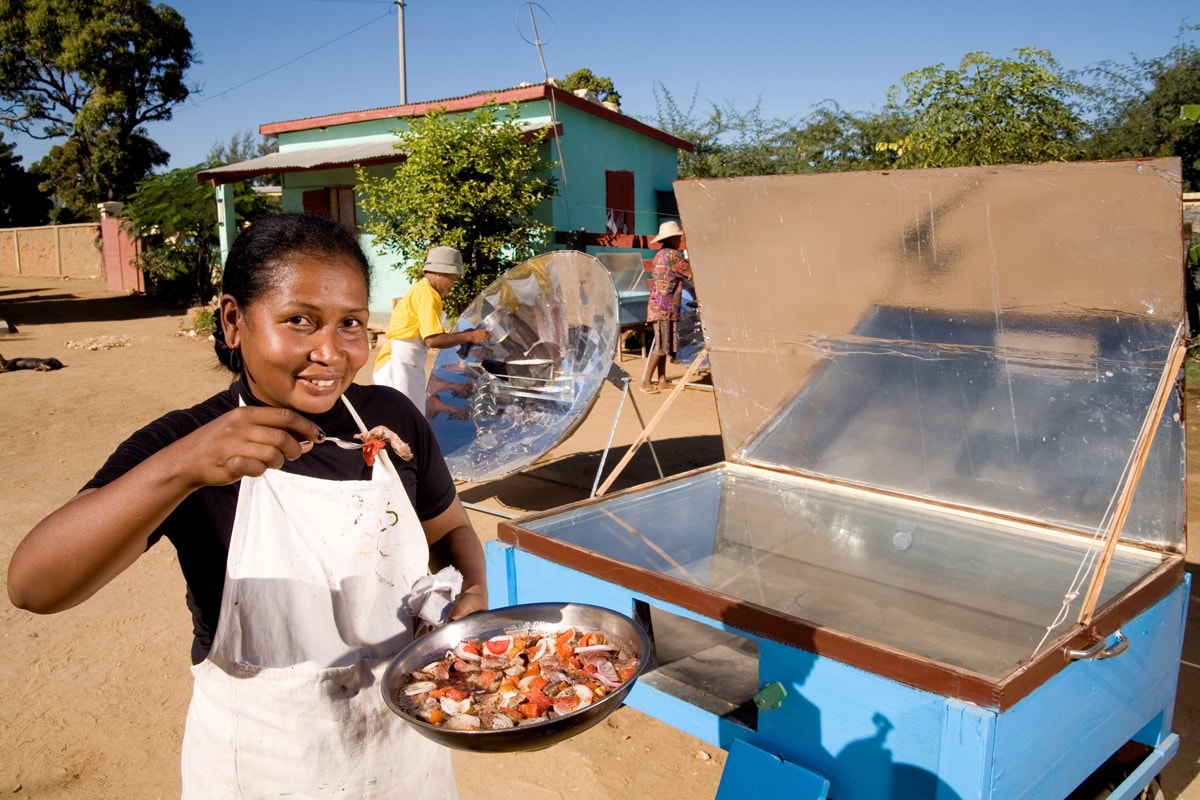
(176, 218)
(728, 142)
(21, 202)
(473, 182)
(598, 85)
(244, 146)
(1139, 108)
(831, 139)
(989, 111)
(92, 72)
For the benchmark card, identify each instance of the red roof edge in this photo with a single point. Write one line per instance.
(467, 103)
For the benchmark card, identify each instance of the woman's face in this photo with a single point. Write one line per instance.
(303, 341)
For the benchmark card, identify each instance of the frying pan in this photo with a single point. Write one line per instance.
(547, 617)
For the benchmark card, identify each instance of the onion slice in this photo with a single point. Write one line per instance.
(419, 687)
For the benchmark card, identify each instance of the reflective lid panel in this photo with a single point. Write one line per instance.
(991, 338)
(499, 407)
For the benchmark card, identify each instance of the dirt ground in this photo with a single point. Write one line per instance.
(94, 698)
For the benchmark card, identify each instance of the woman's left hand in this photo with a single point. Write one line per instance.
(453, 542)
(471, 600)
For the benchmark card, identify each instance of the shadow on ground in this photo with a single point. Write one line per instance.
(1184, 768)
(22, 307)
(571, 478)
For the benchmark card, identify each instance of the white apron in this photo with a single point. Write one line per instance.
(288, 702)
(405, 369)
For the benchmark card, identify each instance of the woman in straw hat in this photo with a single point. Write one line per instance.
(669, 272)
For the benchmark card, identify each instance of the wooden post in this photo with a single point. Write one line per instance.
(1141, 451)
(645, 434)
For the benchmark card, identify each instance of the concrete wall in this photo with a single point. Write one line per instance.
(68, 251)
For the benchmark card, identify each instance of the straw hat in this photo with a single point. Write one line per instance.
(667, 230)
(445, 260)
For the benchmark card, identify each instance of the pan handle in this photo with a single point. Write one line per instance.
(463, 349)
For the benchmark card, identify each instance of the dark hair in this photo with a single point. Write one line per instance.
(252, 265)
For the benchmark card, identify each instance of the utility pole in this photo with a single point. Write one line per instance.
(403, 86)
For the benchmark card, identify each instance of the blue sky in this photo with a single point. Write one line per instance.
(271, 60)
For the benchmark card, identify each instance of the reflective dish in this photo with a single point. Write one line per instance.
(546, 618)
(496, 408)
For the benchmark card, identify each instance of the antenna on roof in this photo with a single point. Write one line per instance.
(537, 42)
(403, 80)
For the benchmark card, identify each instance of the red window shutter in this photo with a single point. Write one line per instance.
(316, 201)
(618, 189)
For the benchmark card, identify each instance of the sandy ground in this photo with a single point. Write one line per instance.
(94, 699)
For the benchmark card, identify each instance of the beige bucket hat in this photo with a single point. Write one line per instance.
(445, 260)
(667, 230)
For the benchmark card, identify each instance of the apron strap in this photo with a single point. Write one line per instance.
(382, 456)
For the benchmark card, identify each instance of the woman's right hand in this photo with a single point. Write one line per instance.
(98, 533)
(244, 442)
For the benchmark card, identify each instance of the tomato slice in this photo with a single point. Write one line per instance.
(537, 652)
(534, 694)
(498, 645)
(370, 449)
(531, 710)
(566, 702)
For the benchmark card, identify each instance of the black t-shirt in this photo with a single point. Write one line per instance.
(200, 527)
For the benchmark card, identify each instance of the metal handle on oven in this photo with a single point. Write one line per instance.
(1102, 648)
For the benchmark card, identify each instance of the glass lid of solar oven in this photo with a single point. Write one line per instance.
(937, 390)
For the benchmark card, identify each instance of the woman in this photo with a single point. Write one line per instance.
(299, 556)
(669, 271)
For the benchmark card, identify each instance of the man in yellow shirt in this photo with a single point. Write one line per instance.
(418, 323)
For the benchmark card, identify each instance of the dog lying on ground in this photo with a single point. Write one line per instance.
(39, 364)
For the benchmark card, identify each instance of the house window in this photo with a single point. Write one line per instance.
(668, 207)
(618, 187)
(335, 202)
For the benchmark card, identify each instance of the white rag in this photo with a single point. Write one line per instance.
(433, 596)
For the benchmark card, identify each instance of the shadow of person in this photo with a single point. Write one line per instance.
(867, 772)
(805, 719)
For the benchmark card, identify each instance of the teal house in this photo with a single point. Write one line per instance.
(615, 174)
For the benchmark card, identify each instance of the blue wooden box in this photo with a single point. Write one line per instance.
(944, 555)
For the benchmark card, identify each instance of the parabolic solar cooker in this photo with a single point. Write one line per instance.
(499, 407)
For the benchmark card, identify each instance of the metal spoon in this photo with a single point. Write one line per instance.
(342, 443)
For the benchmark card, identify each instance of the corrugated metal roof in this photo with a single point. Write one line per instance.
(414, 109)
(328, 156)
